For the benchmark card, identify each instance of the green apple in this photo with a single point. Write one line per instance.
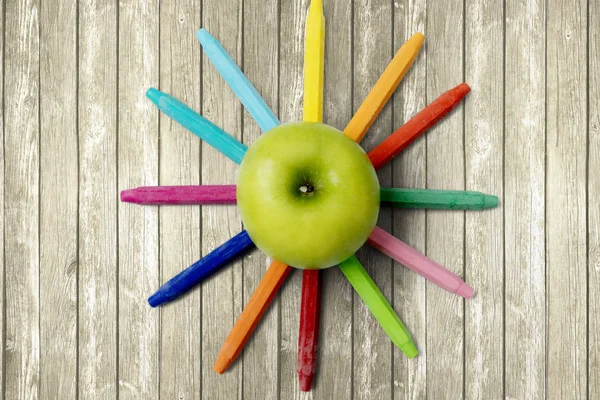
(308, 195)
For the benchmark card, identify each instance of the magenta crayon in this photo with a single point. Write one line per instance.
(422, 265)
(193, 194)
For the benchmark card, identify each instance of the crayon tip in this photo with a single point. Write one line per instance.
(417, 38)
(128, 196)
(490, 201)
(154, 95)
(305, 381)
(462, 89)
(221, 364)
(465, 291)
(203, 36)
(317, 4)
(156, 299)
(409, 349)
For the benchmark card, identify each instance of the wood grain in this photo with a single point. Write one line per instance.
(291, 80)
(594, 199)
(77, 266)
(21, 201)
(138, 334)
(58, 200)
(484, 235)
(445, 229)
(180, 75)
(2, 212)
(566, 236)
(409, 290)
(334, 373)
(523, 203)
(98, 263)
(261, 66)
(372, 52)
(222, 295)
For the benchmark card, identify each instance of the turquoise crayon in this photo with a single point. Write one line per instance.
(440, 199)
(202, 269)
(198, 125)
(237, 81)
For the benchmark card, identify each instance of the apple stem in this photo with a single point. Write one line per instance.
(307, 189)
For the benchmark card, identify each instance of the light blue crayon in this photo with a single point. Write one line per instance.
(198, 125)
(237, 81)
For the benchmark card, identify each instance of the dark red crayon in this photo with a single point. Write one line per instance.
(308, 336)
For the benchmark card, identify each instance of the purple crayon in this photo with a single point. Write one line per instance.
(164, 195)
(201, 269)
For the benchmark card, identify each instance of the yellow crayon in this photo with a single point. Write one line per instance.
(314, 62)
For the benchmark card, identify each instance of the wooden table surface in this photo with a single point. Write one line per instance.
(77, 264)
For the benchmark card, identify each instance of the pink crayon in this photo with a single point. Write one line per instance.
(419, 263)
(164, 195)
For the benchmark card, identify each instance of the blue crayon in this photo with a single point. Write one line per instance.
(237, 81)
(202, 269)
(198, 125)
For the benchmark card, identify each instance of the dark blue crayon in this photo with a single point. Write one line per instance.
(201, 269)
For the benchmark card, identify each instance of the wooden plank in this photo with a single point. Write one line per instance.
(334, 373)
(594, 199)
(409, 289)
(98, 266)
(291, 81)
(138, 335)
(180, 65)
(261, 65)
(524, 208)
(222, 295)
(58, 205)
(21, 207)
(2, 212)
(372, 52)
(484, 235)
(445, 229)
(566, 236)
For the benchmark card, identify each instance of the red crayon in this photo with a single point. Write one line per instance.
(308, 336)
(417, 125)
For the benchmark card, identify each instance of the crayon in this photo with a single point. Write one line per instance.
(437, 199)
(378, 305)
(198, 125)
(177, 195)
(417, 125)
(421, 264)
(384, 88)
(237, 81)
(202, 269)
(251, 315)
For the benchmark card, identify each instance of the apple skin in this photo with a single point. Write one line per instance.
(308, 195)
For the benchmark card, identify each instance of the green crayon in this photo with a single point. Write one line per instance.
(439, 199)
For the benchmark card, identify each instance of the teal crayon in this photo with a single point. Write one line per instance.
(198, 125)
(437, 199)
(237, 81)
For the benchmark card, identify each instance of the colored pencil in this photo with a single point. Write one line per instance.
(378, 305)
(384, 88)
(201, 269)
(437, 199)
(310, 305)
(417, 125)
(421, 264)
(237, 81)
(198, 125)
(251, 315)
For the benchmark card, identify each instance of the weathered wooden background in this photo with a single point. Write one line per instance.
(77, 265)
